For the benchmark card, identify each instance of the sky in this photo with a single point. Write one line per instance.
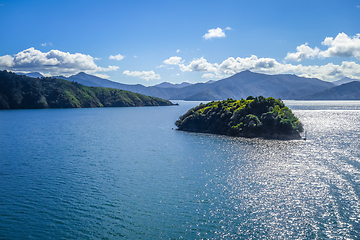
(149, 42)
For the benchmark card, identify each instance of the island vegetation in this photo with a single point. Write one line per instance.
(251, 117)
(22, 92)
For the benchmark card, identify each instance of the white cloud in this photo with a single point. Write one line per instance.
(6, 61)
(53, 62)
(199, 65)
(303, 52)
(147, 75)
(232, 65)
(116, 57)
(173, 60)
(208, 75)
(215, 33)
(45, 44)
(178, 50)
(102, 75)
(341, 46)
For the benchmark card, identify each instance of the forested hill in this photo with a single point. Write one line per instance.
(22, 92)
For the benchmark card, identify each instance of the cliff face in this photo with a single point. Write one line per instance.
(22, 92)
(253, 117)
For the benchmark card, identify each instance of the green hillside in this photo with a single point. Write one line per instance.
(253, 117)
(21, 92)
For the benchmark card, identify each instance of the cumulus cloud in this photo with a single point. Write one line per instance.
(199, 65)
(233, 65)
(102, 75)
(116, 57)
(173, 60)
(53, 62)
(340, 46)
(208, 75)
(6, 61)
(215, 33)
(303, 52)
(147, 75)
(178, 50)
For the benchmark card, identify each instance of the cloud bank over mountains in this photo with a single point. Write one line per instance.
(56, 62)
(340, 46)
(232, 65)
(147, 75)
(53, 62)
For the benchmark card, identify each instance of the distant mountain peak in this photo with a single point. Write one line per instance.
(247, 73)
(32, 74)
(81, 74)
(172, 85)
(84, 76)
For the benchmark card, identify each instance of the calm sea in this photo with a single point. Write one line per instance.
(113, 173)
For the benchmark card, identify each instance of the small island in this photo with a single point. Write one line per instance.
(251, 117)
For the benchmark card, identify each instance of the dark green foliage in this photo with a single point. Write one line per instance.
(253, 117)
(20, 91)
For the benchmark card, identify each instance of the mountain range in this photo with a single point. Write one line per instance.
(240, 85)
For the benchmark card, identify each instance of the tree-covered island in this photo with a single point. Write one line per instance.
(251, 117)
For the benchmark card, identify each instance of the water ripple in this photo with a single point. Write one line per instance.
(71, 176)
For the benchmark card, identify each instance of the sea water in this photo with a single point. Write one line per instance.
(112, 173)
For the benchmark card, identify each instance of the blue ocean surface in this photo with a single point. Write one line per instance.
(113, 173)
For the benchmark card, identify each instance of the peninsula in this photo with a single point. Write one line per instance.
(251, 117)
(22, 92)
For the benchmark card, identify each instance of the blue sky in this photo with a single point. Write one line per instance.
(149, 42)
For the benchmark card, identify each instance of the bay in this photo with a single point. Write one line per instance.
(115, 173)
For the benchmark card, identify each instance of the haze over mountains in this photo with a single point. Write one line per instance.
(344, 80)
(240, 85)
(346, 91)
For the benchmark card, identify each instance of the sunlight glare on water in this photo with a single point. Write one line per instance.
(124, 173)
